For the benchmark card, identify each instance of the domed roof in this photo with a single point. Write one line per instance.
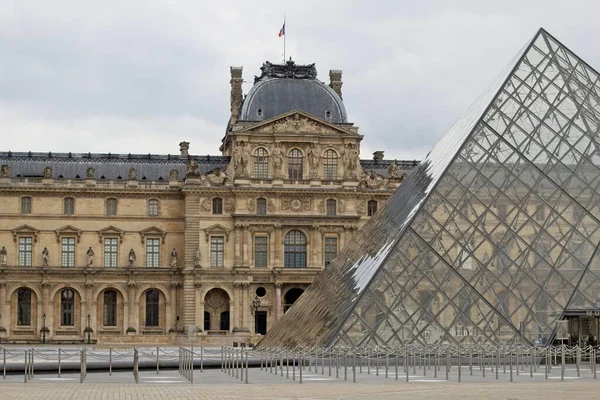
(285, 87)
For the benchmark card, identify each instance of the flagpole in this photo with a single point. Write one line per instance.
(284, 35)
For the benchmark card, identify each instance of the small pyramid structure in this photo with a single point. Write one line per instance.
(492, 239)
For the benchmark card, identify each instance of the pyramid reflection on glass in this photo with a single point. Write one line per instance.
(492, 238)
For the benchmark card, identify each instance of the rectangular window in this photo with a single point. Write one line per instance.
(330, 249)
(260, 251)
(152, 253)
(111, 207)
(25, 251)
(331, 207)
(152, 208)
(217, 250)
(69, 206)
(68, 252)
(111, 250)
(25, 205)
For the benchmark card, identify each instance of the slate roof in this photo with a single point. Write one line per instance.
(150, 167)
(285, 87)
(110, 166)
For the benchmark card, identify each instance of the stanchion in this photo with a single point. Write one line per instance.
(459, 365)
(293, 365)
(59, 362)
(25, 372)
(3, 363)
(246, 380)
(396, 363)
(157, 360)
(562, 363)
(510, 361)
(578, 360)
(354, 366)
(406, 361)
(301, 360)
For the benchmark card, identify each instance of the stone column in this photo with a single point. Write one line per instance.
(189, 299)
(244, 294)
(235, 317)
(5, 320)
(133, 323)
(172, 308)
(277, 301)
(278, 248)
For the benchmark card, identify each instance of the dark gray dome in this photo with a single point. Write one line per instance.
(283, 88)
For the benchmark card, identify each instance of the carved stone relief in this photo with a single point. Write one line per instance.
(321, 206)
(277, 156)
(206, 205)
(47, 173)
(295, 204)
(295, 123)
(361, 206)
(217, 178)
(251, 204)
(174, 175)
(341, 207)
(229, 205)
(270, 205)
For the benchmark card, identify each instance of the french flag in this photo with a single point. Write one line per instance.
(282, 31)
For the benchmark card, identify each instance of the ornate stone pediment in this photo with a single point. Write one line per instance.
(297, 121)
(25, 230)
(111, 231)
(68, 230)
(216, 229)
(153, 231)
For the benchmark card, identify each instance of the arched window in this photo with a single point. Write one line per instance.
(217, 206)
(261, 206)
(152, 208)
(330, 165)
(111, 206)
(331, 207)
(110, 308)
(67, 307)
(24, 307)
(371, 207)
(295, 161)
(294, 250)
(261, 163)
(25, 205)
(69, 206)
(152, 297)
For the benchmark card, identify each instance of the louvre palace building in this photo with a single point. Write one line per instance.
(130, 248)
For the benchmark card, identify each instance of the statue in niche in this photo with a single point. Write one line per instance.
(198, 258)
(45, 257)
(394, 170)
(241, 158)
(174, 258)
(3, 256)
(131, 257)
(350, 159)
(47, 173)
(4, 171)
(132, 174)
(313, 159)
(90, 173)
(174, 175)
(90, 256)
(277, 155)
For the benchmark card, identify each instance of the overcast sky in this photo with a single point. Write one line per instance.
(127, 76)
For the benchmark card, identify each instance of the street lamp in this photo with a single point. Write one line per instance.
(44, 329)
(255, 303)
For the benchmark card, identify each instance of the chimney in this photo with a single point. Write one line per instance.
(335, 79)
(378, 155)
(184, 148)
(236, 92)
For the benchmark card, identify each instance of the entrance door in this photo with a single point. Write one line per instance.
(583, 330)
(225, 321)
(260, 322)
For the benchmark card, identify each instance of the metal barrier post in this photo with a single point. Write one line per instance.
(157, 360)
(323, 362)
(345, 365)
(281, 363)
(301, 359)
(406, 361)
(201, 359)
(396, 363)
(294, 366)
(510, 361)
(354, 367)
(387, 362)
(578, 360)
(470, 361)
(447, 363)
(25, 367)
(368, 362)
(459, 365)
(246, 380)
(287, 364)
(562, 363)
(3, 363)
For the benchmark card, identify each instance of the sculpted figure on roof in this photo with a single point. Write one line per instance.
(4, 171)
(90, 173)
(47, 173)
(192, 167)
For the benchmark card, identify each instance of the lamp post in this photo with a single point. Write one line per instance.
(44, 329)
(89, 328)
(255, 306)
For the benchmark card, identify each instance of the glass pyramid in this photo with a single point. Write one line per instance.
(492, 238)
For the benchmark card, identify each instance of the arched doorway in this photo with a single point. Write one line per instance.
(153, 312)
(290, 298)
(24, 315)
(109, 311)
(216, 310)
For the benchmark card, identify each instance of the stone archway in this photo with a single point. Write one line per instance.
(290, 298)
(216, 310)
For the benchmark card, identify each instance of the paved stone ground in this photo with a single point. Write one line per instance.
(214, 384)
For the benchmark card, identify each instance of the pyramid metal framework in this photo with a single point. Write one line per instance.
(492, 239)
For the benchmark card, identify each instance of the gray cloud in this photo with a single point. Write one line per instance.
(138, 76)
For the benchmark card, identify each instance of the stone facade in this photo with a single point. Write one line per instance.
(151, 249)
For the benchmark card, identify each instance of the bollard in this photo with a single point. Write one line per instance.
(396, 364)
(294, 366)
(354, 367)
(242, 351)
(436, 355)
(578, 359)
(281, 365)
(510, 361)
(368, 362)
(377, 365)
(594, 362)
(447, 363)
(531, 358)
(3, 363)
(157, 361)
(236, 365)
(246, 379)
(406, 362)
(562, 363)
(337, 365)
(459, 366)
(387, 362)
(546, 365)
(345, 366)
(25, 367)
(287, 364)
(470, 361)
(302, 366)
(201, 359)
(323, 362)
(329, 361)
